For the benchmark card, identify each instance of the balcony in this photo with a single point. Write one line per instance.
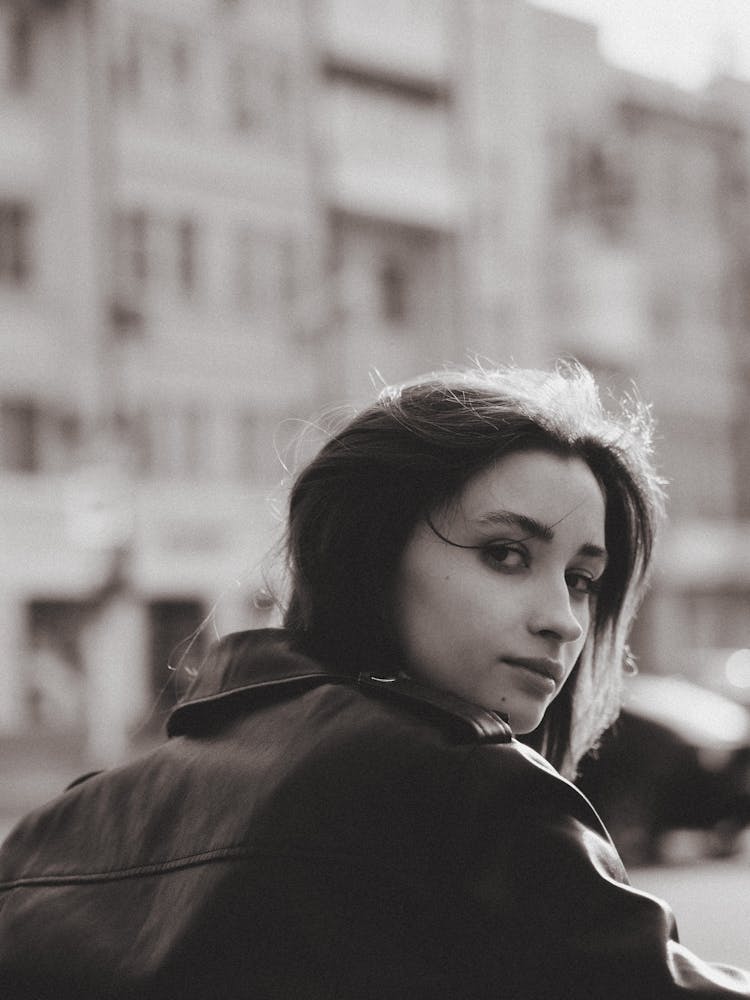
(388, 156)
(403, 38)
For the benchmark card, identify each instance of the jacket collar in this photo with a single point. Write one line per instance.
(241, 663)
(247, 663)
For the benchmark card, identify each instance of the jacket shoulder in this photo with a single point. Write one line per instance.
(470, 723)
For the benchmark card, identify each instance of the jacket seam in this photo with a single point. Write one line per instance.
(230, 853)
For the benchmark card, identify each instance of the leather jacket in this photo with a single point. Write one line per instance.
(304, 835)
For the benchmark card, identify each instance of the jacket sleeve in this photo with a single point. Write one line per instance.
(543, 907)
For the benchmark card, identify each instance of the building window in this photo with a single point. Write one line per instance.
(186, 255)
(180, 59)
(138, 246)
(62, 435)
(140, 431)
(259, 94)
(740, 294)
(152, 69)
(15, 225)
(20, 36)
(193, 442)
(19, 435)
(592, 179)
(393, 283)
(127, 64)
(69, 431)
(132, 70)
(34, 438)
(132, 248)
(176, 51)
(158, 252)
(287, 270)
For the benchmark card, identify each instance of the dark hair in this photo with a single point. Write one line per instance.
(353, 508)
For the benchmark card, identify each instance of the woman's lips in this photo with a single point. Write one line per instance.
(548, 671)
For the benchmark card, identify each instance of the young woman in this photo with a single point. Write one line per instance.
(344, 808)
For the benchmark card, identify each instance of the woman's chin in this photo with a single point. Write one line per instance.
(522, 721)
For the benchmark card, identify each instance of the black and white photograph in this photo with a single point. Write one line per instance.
(374, 499)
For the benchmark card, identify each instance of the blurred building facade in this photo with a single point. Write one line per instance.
(218, 217)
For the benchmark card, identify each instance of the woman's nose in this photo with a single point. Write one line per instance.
(554, 615)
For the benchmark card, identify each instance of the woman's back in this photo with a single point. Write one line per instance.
(266, 847)
(307, 835)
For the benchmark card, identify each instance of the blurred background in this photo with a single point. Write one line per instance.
(220, 217)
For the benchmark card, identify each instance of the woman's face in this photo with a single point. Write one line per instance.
(498, 609)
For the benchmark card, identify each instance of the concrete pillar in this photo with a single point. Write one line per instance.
(13, 654)
(114, 655)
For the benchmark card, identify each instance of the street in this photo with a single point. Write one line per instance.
(711, 901)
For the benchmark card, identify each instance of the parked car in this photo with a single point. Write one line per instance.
(678, 758)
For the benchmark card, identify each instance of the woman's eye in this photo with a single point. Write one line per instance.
(507, 556)
(580, 583)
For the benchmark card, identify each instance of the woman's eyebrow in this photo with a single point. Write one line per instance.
(536, 529)
(530, 525)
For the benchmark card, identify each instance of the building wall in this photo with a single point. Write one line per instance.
(647, 187)
(168, 236)
(218, 218)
